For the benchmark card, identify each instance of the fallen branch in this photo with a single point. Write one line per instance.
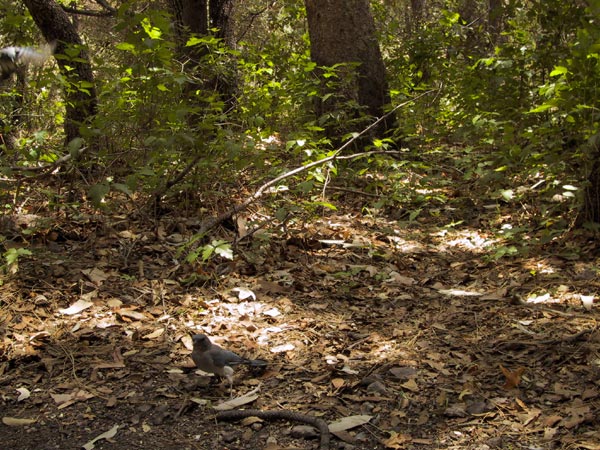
(52, 166)
(213, 221)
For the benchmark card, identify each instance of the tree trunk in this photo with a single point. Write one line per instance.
(495, 20)
(220, 12)
(197, 17)
(415, 17)
(190, 17)
(80, 94)
(590, 212)
(343, 31)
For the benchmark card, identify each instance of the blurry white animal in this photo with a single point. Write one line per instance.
(11, 57)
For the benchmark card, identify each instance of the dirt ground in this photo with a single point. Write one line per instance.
(410, 330)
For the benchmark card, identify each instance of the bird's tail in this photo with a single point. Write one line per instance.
(37, 56)
(256, 362)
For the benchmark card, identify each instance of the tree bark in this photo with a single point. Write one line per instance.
(590, 212)
(80, 94)
(220, 12)
(190, 17)
(197, 17)
(343, 31)
(495, 20)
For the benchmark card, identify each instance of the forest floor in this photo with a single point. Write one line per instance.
(409, 334)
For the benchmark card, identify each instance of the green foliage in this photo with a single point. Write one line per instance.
(11, 260)
(206, 252)
(509, 108)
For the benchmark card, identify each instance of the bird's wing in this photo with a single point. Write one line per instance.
(224, 358)
(30, 55)
(11, 56)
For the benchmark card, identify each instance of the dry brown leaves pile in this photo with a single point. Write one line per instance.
(407, 336)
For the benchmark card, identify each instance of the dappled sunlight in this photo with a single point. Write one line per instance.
(260, 227)
(469, 240)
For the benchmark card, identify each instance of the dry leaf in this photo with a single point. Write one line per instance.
(411, 385)
(395, 277)
(549, 434)
(76, 307)
(95, 275)
(250, 420)
(238, 401)
(282, 348)
(131, 314)
(61, 398)
(588, 301)
(244, 294)
(23, 394)
(156, 333)
(337, 382)
(273, 312)
(550, 421)
(460, 293)
(106, 435)
(397, 440)
(512, 378)
(577, 415)
(16, 422)
(114, 302)
(349, 422)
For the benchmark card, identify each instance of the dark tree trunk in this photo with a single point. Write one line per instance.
(190, 17)
(220, 12)
(197, 17)
(590, 212)
(80, 96)
(415, 18)
(495, 20)
(343, 31)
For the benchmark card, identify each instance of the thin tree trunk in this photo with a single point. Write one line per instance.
(590, 212)
(197, 17)
(80, 95)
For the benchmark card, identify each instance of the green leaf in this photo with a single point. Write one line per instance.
(543, 107)
(281, 214)
(207, 252)
(224, 250)
(97, 193)
(122, 188)
(559, 70)
(326, 205)
(507, 194)
(125, 46)
(414, 214)
(152, 32)
(12, 255)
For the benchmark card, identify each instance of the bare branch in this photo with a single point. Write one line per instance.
(107, 11)
(52, 166)
(213, 221)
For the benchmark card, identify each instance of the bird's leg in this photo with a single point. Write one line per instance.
(228, 373)
(230, 386)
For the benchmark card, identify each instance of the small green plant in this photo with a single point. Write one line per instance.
(206, 252)
(11, 261)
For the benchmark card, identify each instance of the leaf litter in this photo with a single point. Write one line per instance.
(403, 336)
